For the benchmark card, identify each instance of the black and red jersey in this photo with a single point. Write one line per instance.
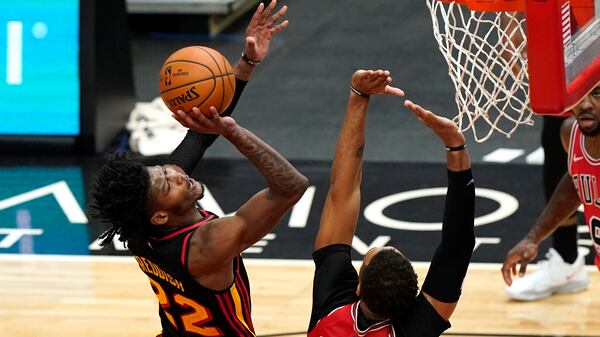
(185, 307)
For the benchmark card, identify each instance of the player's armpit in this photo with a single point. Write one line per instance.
(215, 244)
(445, 310)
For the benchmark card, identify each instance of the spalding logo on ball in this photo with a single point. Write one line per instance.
(196, 77)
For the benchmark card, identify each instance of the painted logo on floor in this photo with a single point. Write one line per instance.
(42, 210)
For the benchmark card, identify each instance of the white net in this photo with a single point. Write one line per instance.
(487, 62)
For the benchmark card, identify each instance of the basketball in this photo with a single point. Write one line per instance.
(196, 76)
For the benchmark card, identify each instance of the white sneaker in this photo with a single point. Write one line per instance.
(552, 276)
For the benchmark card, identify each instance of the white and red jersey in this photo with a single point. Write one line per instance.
(585, 172)
(343, 322)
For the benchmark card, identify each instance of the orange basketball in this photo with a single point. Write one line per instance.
(196, 77)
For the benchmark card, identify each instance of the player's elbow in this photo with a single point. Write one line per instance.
(292, 190)
(298, 188)
(343, 194)
(463, 245)
(343, 188)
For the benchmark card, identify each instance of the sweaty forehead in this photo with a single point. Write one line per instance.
(155, 174)
(594, 91)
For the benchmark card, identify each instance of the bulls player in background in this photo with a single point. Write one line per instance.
(383, 298)
(563, 269)
(580, 137)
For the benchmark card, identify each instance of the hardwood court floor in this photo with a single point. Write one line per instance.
(59, 296)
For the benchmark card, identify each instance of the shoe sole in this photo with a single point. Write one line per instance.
(573, 287)
(570, 288)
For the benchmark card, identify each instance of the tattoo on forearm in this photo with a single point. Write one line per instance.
(281, 176)
(243, 72)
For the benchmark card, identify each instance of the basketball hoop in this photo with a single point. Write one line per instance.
(484, 44)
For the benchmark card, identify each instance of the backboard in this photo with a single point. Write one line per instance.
(563, 47)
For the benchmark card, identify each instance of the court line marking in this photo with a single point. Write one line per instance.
(258, 262)
(302, 333)
(247, 261)
(505, 335)
(503, 155)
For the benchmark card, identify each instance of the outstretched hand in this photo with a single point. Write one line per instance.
(370, 82)
(444, 128)
(262, 28)
(197, 121)
(522, 253)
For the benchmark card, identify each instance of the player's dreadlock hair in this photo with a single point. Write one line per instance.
(120, 195)
(388, 284)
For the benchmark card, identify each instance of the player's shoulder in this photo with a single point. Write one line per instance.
(567, 124)
(565, 131)
(422, 319)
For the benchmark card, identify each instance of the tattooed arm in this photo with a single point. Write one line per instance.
(214, 245)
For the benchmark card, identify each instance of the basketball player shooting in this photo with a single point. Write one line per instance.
(191, 257)
(383, 298)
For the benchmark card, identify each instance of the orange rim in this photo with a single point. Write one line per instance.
(492, 5)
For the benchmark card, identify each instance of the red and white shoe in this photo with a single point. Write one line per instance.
(552, 276)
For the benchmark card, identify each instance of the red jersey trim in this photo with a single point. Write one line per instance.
(372, 328)
(572, 141)
(591, 160)
(229, 311)
(227, 314)
(230, 301)
(245, 296)
(184, 249)
(183, 230)
(241, 310)
(245, 309)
